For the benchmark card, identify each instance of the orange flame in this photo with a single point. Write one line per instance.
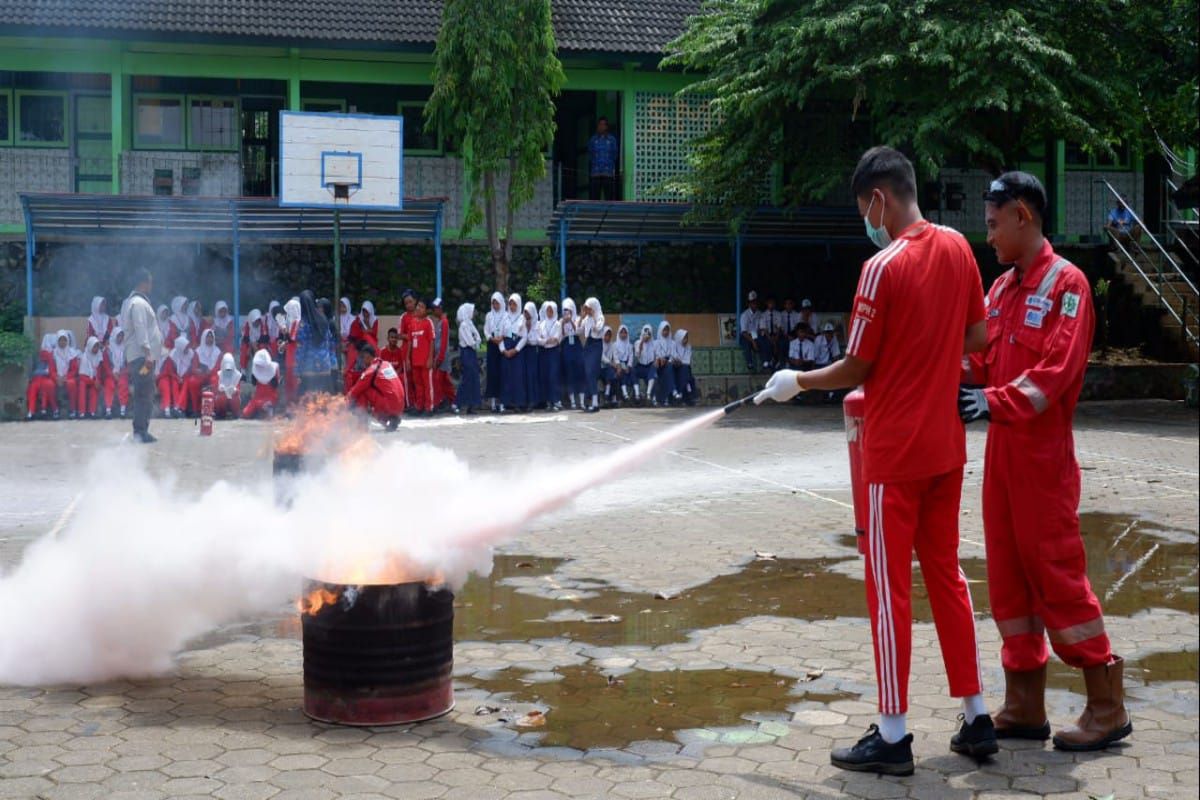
(392, 568)
(322, 421)
(317, 599)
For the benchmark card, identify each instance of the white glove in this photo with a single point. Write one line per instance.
(781, 387)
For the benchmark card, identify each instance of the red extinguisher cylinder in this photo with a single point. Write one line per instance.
(206, 412)
(854, 409)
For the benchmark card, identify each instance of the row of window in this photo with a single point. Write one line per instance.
(34, 118)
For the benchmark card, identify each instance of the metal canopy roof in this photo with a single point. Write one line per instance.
(641, 223)
(83, 217)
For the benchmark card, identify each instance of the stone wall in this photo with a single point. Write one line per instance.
(220, 173)
(28, 169)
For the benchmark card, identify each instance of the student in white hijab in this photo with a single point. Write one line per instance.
(493, 333)
(345, 317)
(66, 365)
(173, 371)
(608, 366)
(513, 394)
(592, 326)
(39, 396)
(99, 323)
(208, 359)
(550, 362)
(572, 355)
(196, 314)
(264, 376)
(685, 384)
(533, 355)
(119, 372)
(227, 397)
(223, 326)
(622, 357)
(181, 321)
(643, 366)
(288, 342)
(165, 325)
(254, 329)
(272, 324)
(664, 351)
(469, 397)
(89, 379)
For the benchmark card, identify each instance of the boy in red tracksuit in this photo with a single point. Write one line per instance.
(918, 308)
(394, 352)
(407, 319)
(379, 391)
(363, 357)
(443, 387)
(420, 358)
(1039, 333)
(264, 377)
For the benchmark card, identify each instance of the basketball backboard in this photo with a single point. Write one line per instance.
(341, 160)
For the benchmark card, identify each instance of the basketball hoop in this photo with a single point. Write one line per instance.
(352, 161)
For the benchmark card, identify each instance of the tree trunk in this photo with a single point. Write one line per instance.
(491, 220)
(510, 205)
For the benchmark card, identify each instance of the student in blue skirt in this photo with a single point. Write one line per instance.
(512, 367)
(493, 331)
(572, 353)
(469, 398)
(532, 356)
(664, 350)
(685, 385)
(592, 327)
(643, 364)
(622, 357)
(550, 361)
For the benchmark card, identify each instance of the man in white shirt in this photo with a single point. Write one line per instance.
(748, 330)
(143, 347)
(827, 348)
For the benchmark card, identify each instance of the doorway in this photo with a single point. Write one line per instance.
(260, 145)
(93, 143)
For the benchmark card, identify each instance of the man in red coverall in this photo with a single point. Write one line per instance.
(1039, 333)
(380, 391)
(420, 358)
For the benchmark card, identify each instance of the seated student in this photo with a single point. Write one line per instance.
(664, 349)
(770, 329)
(90, 373)
(264, 377)
(204, 370)
(195, 310)
(643, 367)
(623, 361)
(827, 348)
(254, 329)
(608, 366)
(39, 397)
(118, 375)
(173, 371)
(181, 321)
(685, 385)
(100, 324)
(789, 319)
(66, 358)
(163, 314)
(223, 327)
(393, 354)
(363, 330)
(469, 393)
(379, 392)
(227, 395)
(801, 351)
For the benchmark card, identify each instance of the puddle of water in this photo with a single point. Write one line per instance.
(585, 710)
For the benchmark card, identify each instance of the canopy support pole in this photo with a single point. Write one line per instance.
(437, 250)
(737, 262)
(30, 244)
(237, 273)
(562, 260)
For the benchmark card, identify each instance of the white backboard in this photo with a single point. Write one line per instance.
(341, 160)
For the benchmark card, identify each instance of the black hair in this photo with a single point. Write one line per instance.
(1017, 185)
(142, 275)
(367, 350)
(884, 165)
(602, 119)
(390, 331)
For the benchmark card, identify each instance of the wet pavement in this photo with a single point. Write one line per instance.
(694, 631)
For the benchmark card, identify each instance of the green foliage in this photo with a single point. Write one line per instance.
(15, 348)
(547, 280)
(496, 74)
(1101, 288)
(811, 83)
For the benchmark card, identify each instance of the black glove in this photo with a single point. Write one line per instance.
(972, 403)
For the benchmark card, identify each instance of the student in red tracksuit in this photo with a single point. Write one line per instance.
(1040, 323)
(364, 355)
(204, 371)
(918, 308)
(288, 341)
(181, 321)
(253, 330)
(420, 359)
(66, 358)
(379, 391)
(264, 377)
(99, 323)
(407, 319)
(364, 329)
(172, 372)
(39, 397)
(443, 387)
(227, 393)
(118, 372)
(90, 374)
(224, 327)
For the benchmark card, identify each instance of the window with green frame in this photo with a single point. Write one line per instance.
(322, 105)
(5, 117)
(41, 118)
(213, 123)
(158, 122)
(419, 139)
(1078, 158)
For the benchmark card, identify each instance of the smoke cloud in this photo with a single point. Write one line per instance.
(145, 566)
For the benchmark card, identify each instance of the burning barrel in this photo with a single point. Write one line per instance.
(377, 654)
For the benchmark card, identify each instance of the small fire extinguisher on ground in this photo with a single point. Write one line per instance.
(206, 412)
(854, 409)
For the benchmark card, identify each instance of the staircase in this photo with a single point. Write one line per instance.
(1157, 276)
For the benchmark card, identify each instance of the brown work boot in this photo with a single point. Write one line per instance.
(1023, 715)
(1104, 719)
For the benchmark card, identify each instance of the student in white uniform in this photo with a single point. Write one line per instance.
(664, 351)
(770, 331)
(592, 326)
(469, 397)
(512, 368)
(827, 348)
(493, 332)
(550, 361)
(791, 318)
(608, 366)
(748, 332)
(685, 385)
(623, 359)
(533, 353)
(643, 366)
(572, 354)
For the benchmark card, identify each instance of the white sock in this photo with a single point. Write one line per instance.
(891, 727)
(973, 707)
(625, 392)
(595, 401)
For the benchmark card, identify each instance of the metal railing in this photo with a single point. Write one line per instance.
(1168, 273)
(1175, 221)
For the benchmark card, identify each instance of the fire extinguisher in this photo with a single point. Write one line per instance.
(854, 410)
(206, 412)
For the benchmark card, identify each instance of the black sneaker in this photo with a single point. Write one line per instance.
(145, 438)
(873, 754)
(977, 740)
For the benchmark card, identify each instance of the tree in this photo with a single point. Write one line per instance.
(808, 84)
(495, 77)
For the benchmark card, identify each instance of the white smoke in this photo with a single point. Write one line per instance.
(144, 566)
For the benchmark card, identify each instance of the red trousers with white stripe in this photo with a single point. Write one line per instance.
(919, 515)
(422, 384)
(1037, 567)
(443, 387)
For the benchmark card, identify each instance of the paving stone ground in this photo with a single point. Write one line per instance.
(226, 721)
